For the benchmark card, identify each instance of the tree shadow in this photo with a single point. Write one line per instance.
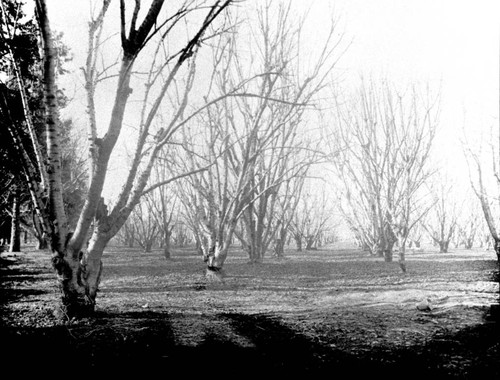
(9, 275)
(283, 350)
(144, 342)
(11, 295)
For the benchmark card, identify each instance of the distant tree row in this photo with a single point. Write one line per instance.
(162, 220)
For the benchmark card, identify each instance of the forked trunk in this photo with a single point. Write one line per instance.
(90, 273)
(216, 255)
(148, 246)
(215, 259)
(74, 303)
(443, 246)
(310, 243)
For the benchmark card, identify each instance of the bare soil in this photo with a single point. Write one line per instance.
(332, 311)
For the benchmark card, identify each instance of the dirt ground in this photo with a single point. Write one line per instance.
(323, 312)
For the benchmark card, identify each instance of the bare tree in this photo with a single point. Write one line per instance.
(470, 225)
(162, 205)
(288, 200)
(126, 235)
(487, 188)
(146, 227)
(313, 217)
(442, 220)
(416, 235)
(381, 145)
(254, 133)
(79, 269)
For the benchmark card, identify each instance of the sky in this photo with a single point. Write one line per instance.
(451, 45)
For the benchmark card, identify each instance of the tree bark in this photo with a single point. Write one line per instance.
(166, 247)
(310, 240)
(402, 259)
(215, 261)
(388, 250)
(279, 250)
(79, 273)
(443, 246)
(39, 233)
(66, 259)
(298, 242)
(388, 255)
(15, 231)
(497, 249)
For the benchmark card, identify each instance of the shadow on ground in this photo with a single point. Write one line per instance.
(145, 342)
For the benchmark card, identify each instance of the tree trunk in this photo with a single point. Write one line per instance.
(252, 238)
(130, 242)
(166, 246)
(298, 241)
(66, 259)
(15, 231)
(402, 252)
(279, 248)
(216, 255)
(80, 272)
(402, 259)
(497, 249)
(92, 269)
(469, 243)
(388, 255)
(41, 243)
(38, 232)
(443, 246)
(198, 244)
(215, 259)
(310, 244)
(166, 252)
(388, 251)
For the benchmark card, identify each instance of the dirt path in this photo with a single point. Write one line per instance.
(324, 312)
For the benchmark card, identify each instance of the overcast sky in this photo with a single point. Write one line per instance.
(452, 42)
